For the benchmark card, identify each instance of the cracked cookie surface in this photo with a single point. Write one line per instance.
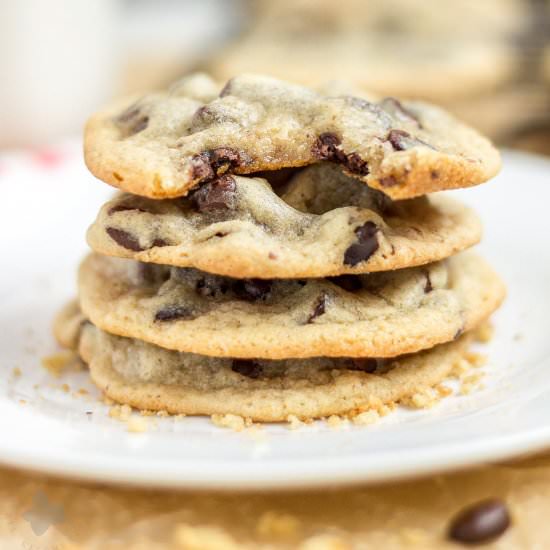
(148, 377)
(375, 315)
(164, 144)
(239, 227)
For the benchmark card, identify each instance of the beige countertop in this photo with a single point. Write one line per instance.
(41, 513)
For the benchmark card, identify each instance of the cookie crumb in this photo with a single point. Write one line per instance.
(443, 391)
(66, 388)
(22, 401)
(16, 372)
(365, 418)
(190, 537)
(120, 412)
(476, 360)
(231, 421)
(471, 382)
(137, 424)
(484, 333)
(424, 399)
(294, 422)
(335, 421)
(279, 525)
(55, 364)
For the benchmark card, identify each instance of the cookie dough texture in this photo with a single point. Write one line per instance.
(164, 144)
(239, 227)
(148, 377)
(376, 315)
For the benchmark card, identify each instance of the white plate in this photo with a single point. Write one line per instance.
(47, 201)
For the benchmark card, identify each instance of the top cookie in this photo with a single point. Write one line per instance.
(164, 144)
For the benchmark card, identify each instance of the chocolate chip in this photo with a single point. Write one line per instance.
(211, 286)
(428, 287)
(201, 168)
(319, 308)
(125, 208)
(124, 239)
(351, 283)
(401, 140)
(327, 147)
(250, 369)
(132, 120)
(226, 90)
(252, 289)
(480, 523)
(458, 333)
(434, 174)
(356, 165)
(158, 242)
(366, 245)
(172, 313)
(363, 365)
(396, 109)
(215, 195)
(209, 164)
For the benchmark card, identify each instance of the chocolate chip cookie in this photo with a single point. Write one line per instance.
(376, 315)
(149, 377)
(163, 145)
(323, 223)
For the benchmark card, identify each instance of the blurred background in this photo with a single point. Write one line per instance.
(488, 61)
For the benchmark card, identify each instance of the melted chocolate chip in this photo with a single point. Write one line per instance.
(351, 283)
(366, 245)
(363, 365)
(124, 239)
(396, 108)
(327, 147)
(428, 287)
(173, 312)
(356, 165)
(401, 140)
(201, 167)
(215, 195)
(132, 120)
(319, 308)
(480, 523)
(158, 242)
(209, 164)
(252, 289)
(250, 369)
(125, 208)
(211, 285)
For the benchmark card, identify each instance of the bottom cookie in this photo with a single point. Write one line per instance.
(148, 377)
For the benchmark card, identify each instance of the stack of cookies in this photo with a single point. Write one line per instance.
(274, 253)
